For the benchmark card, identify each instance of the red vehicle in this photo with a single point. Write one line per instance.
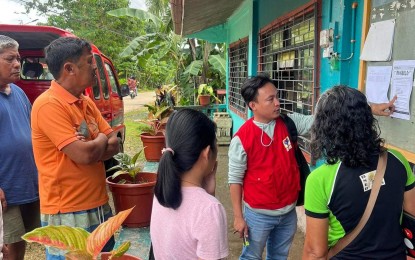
(35, 77)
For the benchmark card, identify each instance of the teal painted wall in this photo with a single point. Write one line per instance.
(339, 17)
(241, 25)
(270, 9)
(256, 14)
(215, 34)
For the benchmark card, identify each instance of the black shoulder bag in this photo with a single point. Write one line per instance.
(299, 156)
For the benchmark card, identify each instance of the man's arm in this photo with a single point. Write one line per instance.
(86, 152)
(302, 122)
(3, 200)
(383, 109)
(239, 223)
(113, 147)
(237, 168)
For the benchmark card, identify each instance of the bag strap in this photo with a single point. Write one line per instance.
(292, 129)
(347, 239)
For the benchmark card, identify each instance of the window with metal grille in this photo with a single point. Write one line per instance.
(287, 49)
(238, 73)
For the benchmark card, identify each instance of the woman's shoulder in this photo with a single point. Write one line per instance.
(324, 171)
(198, 197)
(396, 159)
(398, 155)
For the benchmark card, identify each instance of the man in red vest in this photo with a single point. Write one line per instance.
(263, 171)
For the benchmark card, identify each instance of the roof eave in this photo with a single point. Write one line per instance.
(177, 16)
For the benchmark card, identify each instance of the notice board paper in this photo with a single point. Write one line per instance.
(379, 41)
(377, 83)
(402, 82)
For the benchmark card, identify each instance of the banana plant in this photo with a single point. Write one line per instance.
(79, 243)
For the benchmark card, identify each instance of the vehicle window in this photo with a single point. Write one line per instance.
(95, 88)
(35, 69)
(111, 76)
(101, 75)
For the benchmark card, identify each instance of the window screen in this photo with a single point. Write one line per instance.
(238, 72)
(287, 51)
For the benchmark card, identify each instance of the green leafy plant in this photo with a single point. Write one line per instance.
(157, 116)
(79, 243)
(205, 89)
(166, 96)
(126, 165)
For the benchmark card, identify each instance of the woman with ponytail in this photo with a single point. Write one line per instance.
(187, 221)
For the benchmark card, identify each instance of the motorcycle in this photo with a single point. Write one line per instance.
(133, 93)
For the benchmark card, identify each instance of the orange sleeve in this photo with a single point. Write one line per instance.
(56, 123)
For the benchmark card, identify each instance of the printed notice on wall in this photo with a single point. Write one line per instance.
(379, 41)
(377, 83)
(402, 82)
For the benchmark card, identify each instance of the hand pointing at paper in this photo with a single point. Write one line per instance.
(384, 109)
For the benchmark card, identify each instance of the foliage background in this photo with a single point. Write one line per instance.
(140, 43)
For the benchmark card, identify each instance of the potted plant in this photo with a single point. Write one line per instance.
(157, 117)
(79, 243)
(153, 137)
(130, 187)
(205, 92)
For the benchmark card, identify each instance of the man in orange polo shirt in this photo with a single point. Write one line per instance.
(70, 141)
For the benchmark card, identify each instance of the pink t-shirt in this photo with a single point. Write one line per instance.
(197, 229)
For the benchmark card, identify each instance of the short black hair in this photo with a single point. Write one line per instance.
(62, 50)
(132, 77)
(250, 87)
(344, 128)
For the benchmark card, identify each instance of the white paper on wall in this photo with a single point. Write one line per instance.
(379, 41)
(377, 83)
(402, 84)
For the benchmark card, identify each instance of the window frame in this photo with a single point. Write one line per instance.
(289, 73)
(237, 76)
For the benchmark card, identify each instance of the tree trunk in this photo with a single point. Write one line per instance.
(192, 45)
(205, 67)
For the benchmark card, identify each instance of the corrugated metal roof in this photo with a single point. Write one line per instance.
(191, 16)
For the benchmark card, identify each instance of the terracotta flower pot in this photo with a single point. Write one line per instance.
(153, 144)
(129, 195)
(204, 100)
(105, 256)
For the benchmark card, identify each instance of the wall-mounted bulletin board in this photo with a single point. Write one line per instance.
(399, 133)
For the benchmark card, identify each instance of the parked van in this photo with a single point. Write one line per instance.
(35, 77)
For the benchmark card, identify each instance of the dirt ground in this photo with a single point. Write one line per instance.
(37, 252)
(222, 193)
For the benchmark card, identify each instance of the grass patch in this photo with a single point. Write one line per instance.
(133, 129)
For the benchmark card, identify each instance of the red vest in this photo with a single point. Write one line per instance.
(272, 177)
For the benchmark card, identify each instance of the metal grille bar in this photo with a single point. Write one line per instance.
(287, 53)
(238, 73)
